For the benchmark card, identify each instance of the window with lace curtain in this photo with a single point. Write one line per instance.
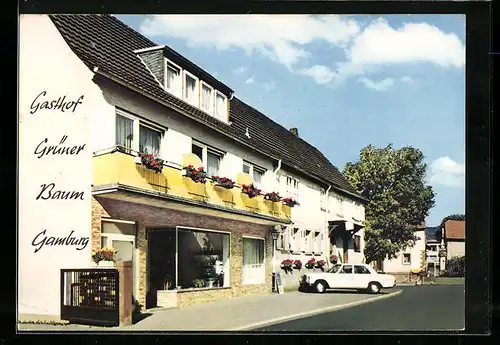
(137, 134)
(253, 271)
(206, 98)
(173, 81)
(190, 88)
(210, 157)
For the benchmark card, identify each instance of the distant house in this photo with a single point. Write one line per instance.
(432, 250)
(453, 238)
(410, 258)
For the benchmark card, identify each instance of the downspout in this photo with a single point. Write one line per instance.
(326, 238)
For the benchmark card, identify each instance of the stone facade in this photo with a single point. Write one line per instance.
(150, 217)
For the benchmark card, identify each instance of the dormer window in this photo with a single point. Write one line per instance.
(173, 79)
(207, 98)
(220, 106)
(190, 88)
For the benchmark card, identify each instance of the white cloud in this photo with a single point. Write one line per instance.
(240, 70)
(368, 46)
(279, 37)
(446, 171)
(250, 80)
(321, 74)
(382, 85)
(407, 79)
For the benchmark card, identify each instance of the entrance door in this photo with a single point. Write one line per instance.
(161, 263)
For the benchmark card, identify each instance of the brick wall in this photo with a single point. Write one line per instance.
(155, 217)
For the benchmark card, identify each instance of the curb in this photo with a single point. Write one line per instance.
(313, 312)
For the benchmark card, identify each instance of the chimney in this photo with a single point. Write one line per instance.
(294, 131)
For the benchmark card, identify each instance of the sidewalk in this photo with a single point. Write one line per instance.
(241, 313)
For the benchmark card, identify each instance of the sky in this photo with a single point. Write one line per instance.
(344, 81)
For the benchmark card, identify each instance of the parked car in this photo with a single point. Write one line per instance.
(360, 277)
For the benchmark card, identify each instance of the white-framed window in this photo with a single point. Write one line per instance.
(220, 106)
(322, 195)
(253, 271)
(256, 172)
(137, 134)
(296, 239)
(210, 157)
(317, 242)
(173, 78)
(406, 259)
(207, 98)
(191, 92)
(283, 241)
(292, 188)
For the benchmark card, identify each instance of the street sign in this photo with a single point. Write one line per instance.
(279, 284)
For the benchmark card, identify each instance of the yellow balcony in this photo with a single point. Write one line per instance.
(121, 168)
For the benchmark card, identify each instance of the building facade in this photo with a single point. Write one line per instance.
(453, 238)
(192, 242)
(411, 258)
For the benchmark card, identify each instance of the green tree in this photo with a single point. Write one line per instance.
(393, 180)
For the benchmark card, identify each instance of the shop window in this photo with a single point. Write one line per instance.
(253, 271)
(203, 259)
(357, 243)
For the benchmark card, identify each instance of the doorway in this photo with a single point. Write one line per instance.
(161, 263)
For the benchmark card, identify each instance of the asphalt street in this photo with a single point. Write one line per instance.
(426, 307)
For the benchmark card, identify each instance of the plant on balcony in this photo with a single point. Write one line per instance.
(197, 175)
(223, 182)
(250, 190)
(334, 259)
(273, 196)
(297, 264)
(199, 283)
(104, 254)
(287, 265)
(310, 263)
(289, 202)
(320, 264)
(150, 162)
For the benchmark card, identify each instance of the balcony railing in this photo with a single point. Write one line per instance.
(123, 168)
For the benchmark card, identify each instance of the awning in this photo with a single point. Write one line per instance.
(350, 226)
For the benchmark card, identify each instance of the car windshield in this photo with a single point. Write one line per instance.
(334, 269)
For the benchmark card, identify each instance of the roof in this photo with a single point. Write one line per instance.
(105, 42)
(432, 233)
(454, 230)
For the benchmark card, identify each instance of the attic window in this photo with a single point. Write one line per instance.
(173, 78)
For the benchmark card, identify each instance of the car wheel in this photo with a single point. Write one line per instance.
(320, 287)
(374, 287)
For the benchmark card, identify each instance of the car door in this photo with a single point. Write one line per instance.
(362, 276)
(332, 276)
(345, 277)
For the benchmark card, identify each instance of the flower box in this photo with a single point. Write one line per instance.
(311, 263)
(273, 196)
(197, 175)
(289, 202)
(104, 264)
(250, 190)
(151, 162)
(297, 264)
(320, 264)
(223, 182)
(103, 255)
(334, 259)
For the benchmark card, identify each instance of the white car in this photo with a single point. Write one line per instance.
(360, 277)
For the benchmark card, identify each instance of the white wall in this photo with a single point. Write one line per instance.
(396, 265)
(47, 64)
(455, 248)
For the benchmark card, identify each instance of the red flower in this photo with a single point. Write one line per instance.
(200, 168)
(195, 172)
(190, 166)
(223, 179)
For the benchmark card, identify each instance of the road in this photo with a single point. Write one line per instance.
(426, 307)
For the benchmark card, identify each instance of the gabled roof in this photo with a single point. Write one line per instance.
(105, 42)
